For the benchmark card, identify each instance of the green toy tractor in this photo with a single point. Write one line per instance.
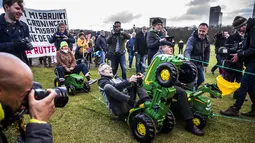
(73, 83)
(155, 116)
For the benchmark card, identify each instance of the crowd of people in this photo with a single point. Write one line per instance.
(120, 93)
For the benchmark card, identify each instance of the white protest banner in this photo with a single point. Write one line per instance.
(42, 25)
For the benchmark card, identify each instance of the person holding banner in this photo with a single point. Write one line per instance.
(62, 35)
(14, 33)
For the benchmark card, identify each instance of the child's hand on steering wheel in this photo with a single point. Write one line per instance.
(71, 68)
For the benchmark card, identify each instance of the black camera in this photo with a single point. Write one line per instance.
(60, 100)
(116, 31)
(229, 49)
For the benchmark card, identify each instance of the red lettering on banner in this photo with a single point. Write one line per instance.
(28, 52)
(36, 50)
(53, 49)
(41, 50)
(44, 49)
(48, 48)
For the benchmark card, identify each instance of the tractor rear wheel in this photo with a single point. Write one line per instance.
(71, 90)
(187, 72)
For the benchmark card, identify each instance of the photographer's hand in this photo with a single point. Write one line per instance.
(235, 58)
(41, 110)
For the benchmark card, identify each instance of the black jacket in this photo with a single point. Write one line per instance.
(7, 38)
(220, 41)
(141, 43)
(112, 41)
(101, 43)
(107, 80)
(57, 41)
(37, 133)
(198, 49)
(153, 41)
(248, 51)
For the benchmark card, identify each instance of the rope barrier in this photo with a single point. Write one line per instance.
(233, 118)
(221, 66)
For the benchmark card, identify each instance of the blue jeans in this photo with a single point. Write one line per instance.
(78, 68)
(247, 86)
(115, 61)
(139, 60)
(200, 75)
(219, 63)
(102, 58)
(130, 58)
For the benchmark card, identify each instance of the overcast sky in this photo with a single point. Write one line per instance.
(100, 14)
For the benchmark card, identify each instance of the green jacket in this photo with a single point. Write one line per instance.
(112, 40)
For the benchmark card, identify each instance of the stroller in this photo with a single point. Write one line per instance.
(97, 56)
(81, 56)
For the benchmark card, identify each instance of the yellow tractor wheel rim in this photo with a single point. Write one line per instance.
(56, 84)
(141, 129)
(165, 74)
(196, 121)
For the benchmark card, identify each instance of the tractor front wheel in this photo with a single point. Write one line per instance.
(143, 128)
(168, 123)
(86, 87)
(199, 121)
(71, 90)
(166, 74)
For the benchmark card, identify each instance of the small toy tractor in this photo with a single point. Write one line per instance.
(73, 83)
(155, 116)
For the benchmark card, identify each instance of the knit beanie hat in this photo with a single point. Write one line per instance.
(63, 43)
(239, 21)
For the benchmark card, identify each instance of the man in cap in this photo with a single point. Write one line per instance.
(240, 24)
(167, 47)
(248, 80)
(154, 37)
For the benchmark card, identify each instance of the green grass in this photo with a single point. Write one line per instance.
(86, 120)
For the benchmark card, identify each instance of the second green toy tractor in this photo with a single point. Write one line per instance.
(73, 82)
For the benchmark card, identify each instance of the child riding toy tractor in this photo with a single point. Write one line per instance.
(73, 83)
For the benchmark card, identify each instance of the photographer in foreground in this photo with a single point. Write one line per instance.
(116, 49)
(15, 87)
(14, 34)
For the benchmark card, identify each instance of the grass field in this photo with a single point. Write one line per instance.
(86, 120)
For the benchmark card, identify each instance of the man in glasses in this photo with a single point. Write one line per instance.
(15, 87)
(198, 50)
(14, 34)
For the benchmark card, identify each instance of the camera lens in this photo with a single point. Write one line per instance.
(62, 98)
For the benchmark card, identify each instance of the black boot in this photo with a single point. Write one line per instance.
(231, 111)
(193, 129)
(249, 114)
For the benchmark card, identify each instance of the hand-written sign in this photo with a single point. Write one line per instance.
(42, 25)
